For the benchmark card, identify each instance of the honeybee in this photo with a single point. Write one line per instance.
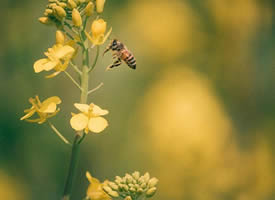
(120, 52)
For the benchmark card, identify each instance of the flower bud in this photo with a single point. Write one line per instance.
(113, 185)
(100, 5)
(52, 5)
(77, 21)
(89, 9)
(143, 185)
(48, 12)
(107, 189)
(59, 37)
(139, 190)
(60, 11)
(71, 4)
(146, 177)
(153, 182)
(151, 192)
(113, 194)
(136, 175)
(132, 189)
(98, 27)
(62, 4)
(128, 198)
(45, 20)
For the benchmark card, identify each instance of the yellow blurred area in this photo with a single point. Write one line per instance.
(166, 28)
(11, 189)
(193, 143)
(202, 94)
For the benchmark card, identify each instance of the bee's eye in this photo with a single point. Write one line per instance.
(114, 42)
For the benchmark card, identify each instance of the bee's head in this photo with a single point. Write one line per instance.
(115, 41)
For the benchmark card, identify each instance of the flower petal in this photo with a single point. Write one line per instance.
(97, 111)
(64, 52)
(97, 124)
(28, 115)
(52, 75)
(79, 121)
(39, 65)
(82, 107)
(48, 108)
(54, 99)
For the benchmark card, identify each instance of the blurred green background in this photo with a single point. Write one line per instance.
(198, 113)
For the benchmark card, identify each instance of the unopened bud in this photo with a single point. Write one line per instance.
(107, 189)
(153, 182)
(143, 185)
(113, 194)
(59, 36)
(129, 179)
(48, 12)
(146, 177)
(98, 28)
(45, 20)
(139, 190)
(62, 4)
(125, 187)
(100, 5)
(60, 11)
(132, 189)
(77, 21)
(136, 175)
(128, 198)
(113, 185)
(151, 192)
(89, 9)
(71, 4)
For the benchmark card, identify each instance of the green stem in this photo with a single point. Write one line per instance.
(79, 135)
(73, 163)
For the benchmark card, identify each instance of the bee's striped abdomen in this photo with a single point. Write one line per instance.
(131, 61)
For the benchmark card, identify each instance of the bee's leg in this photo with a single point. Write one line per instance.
(107, 48)
(115, 64)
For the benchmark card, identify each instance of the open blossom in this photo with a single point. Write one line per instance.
(46, 109)
(98, 30)
(89, 118)
(58, 58)
(95, 191)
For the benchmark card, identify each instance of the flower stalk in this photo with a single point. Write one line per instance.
(79, 135)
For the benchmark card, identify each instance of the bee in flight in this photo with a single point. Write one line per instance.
(120, 52)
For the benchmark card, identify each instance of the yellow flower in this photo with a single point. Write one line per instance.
(46, 109)
(95, 191)
(58, 59)
(89, 118)
(100, 5)
(98, 30)
(76, 18)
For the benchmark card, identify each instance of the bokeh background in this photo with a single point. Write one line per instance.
(198, 113)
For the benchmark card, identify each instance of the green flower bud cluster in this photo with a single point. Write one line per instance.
(59, 10)
(132, 187)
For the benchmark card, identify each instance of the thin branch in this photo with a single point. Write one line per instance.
(72, 79)
(95, 60)
(96, 88)
(76, 68)
(59, 134)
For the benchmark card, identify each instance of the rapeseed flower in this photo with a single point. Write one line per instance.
(46, 109)
(89, 118)
(58, 59)
(98, 30)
